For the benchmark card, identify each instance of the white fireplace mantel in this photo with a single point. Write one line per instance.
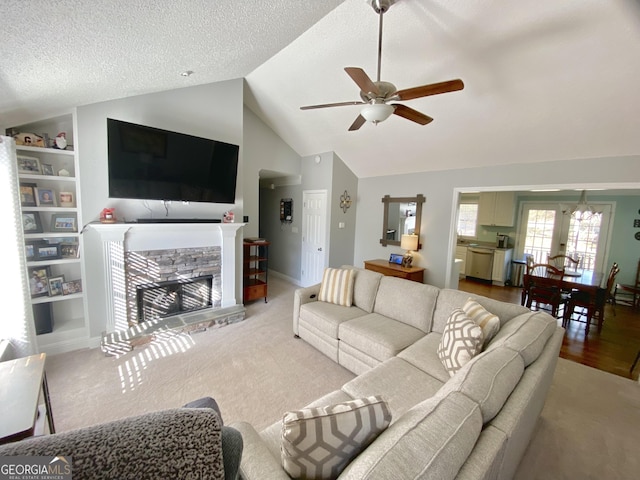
(117, 238)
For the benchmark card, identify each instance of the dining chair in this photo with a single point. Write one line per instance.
(592, 305)
(563, 261)
(544, 288)
(628, 294)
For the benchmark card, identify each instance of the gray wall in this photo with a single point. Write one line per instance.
(285, 238)
(343, 224)
(440, 189)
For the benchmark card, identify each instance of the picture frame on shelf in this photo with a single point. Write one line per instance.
(39, 281)
(64, 222)
(69, 250)
(45, 197)
(29, 165)
(65, 199)
(47, 251)
(31, 222)
(55, 286)
(30, 251)
(28, 194)
(47, 169)
(72, 287)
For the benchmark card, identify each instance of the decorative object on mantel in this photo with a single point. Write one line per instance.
(108, 215)
(582, 210)
(345, 201)
(408, 243)
(227, 217)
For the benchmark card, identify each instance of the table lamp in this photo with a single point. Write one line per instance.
(408, 243)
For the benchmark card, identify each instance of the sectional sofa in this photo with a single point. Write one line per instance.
(471, 423)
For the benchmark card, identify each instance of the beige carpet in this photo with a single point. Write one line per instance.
(256, 370)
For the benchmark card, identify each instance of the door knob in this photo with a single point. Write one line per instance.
(320, 249)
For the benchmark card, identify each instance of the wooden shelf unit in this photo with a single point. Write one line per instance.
(255, 270)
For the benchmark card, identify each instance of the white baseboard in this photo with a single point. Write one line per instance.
(282, 276)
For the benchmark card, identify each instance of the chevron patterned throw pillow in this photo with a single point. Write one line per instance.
(318, 443)
(461, 341)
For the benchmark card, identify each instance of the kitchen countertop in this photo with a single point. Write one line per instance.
(487, 245)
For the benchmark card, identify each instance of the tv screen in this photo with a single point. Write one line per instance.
(152, 164)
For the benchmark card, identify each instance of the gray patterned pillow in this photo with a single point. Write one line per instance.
(461, 341)
(318, 443)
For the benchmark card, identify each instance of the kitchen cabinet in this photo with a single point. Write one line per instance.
(497, 209)
(501, 265)
(461, 254)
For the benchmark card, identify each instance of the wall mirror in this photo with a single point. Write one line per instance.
(401, 216)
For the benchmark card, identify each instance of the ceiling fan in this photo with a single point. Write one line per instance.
(377, 95)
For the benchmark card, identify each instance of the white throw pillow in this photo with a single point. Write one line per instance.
(489, 322)
(461, 341)
(337, 286)
(318, 443)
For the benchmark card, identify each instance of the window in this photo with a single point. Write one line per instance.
(467, 219)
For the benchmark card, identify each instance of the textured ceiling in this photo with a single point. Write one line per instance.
(544, 81)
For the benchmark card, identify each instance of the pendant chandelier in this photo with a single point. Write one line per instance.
(582, 210)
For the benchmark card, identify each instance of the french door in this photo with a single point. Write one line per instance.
(545, 229)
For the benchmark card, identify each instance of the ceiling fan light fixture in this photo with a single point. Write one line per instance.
(377, 112)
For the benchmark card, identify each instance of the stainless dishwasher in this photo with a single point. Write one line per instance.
(480, 263)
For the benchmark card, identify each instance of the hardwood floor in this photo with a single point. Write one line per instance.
(613, 350)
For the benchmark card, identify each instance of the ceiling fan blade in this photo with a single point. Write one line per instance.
(358, 122)
(411, 114)
(325, 105)
(359, 76)
(431, 89)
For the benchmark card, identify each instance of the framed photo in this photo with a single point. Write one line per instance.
(39, 281)
(47, 251)
(28, 194)
(396, 258)
(74, 286)
(31, 222)
(64, 222)
(55, 286)
(65, 199)
(47, 169)
(45, 197)
(69, 250)
(30, 251)
(29, 165)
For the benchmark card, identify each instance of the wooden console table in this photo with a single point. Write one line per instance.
(20, 384)
(415, 274)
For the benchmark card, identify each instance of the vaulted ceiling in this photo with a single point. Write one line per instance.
(544, 81)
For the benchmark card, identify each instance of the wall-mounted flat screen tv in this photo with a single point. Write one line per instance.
(152, 164)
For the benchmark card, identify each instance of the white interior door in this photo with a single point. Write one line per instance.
(314, 236)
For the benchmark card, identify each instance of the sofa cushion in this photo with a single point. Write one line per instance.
(327, 317)
(365, 287)
(337, 286)
(489, 323)
(488, 379)
(432, 440)
(449, 299)
(460, 342)
(317, 443)
(424, 355)
(408, 302)
(527, 334)
(378, 336)
(401, 384)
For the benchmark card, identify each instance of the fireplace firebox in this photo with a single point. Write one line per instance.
(163, 299)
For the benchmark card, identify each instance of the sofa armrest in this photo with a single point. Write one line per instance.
(176, 443)
(257, 460)
(300, 297)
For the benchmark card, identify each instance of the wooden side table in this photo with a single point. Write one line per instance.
(20, 384)
(415, 274)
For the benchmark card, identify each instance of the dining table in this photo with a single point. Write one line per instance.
(588, 281)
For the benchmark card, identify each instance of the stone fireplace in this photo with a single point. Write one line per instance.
(194, 264)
